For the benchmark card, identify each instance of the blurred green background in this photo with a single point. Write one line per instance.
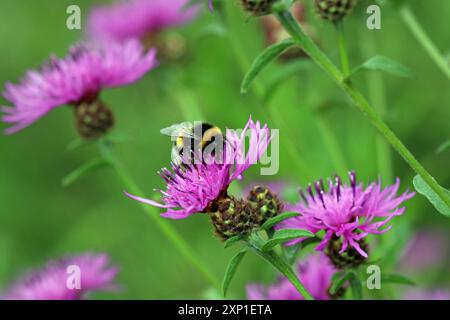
(40, 220)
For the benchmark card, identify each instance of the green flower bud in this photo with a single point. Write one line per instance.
(349, 258)
(264, 204)
(231, 218)
(334, 10)
(258, 7)
(93, 119)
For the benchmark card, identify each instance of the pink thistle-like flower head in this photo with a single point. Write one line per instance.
(347, 212)
(138, 18)
(77, 79)
(53, 282)
(192, 188)
(315, 274)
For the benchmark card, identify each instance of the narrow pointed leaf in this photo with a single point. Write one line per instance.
(232, 241)
(397, 279)
(339, 280)
(356, 286)
(443, 147)
(277, 219)
(84, 170)
(263, 60)
(76, 144)
(231, 270)
(424, 189)
(256, 243)
(387, 65)
(291, 252)
(285, 235)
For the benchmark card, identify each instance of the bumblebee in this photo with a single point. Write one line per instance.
(192, 141)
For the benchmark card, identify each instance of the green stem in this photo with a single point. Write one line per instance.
(278, 263)
(378, 98)
(332, 145)
(343, 49)
(295, 30)
(129, 184)
(419, 33)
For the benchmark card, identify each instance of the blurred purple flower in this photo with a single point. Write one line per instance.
(75, 79)
(192, 188)
(349, 212)
(51, 282)
(428, 248)
(436, 294)
(211, 5)
(315, 273)
(138, 18)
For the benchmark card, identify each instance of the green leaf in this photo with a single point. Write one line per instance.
(443, 147)
(338, 280)
(291, 252)
(277, 219)
(76, 144)
(213, 29)
(356, 286)
(397, 279)
(424, 189)
(384, 64)
(263, 60)
(231, 270)
(284, 235)
(232, 241)
(256, 243)
(84, 170)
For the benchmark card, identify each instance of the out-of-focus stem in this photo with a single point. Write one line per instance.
(422, 37)
(163, 225)
(343, 48)
(378, 98)
(332, 145)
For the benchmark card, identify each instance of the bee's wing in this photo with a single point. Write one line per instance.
(181, 129)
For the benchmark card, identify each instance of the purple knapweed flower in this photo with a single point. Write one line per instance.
(347, 212)
(138, 18)
(315, 273)
(192, 188)
(54, 282)
(77, 79)
(211, 5)
(428, 248)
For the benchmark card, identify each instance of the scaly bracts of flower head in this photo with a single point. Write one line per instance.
(347, 212)
(52, 282)
(193, 188)
(76, 79)
(315, 273)
(138, 18)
